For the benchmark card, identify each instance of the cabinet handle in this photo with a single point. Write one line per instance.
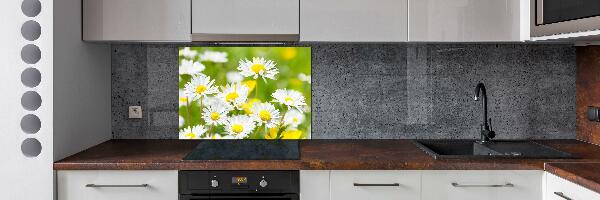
(493, 185)
(562, 195)
(376, 184)
(115, 186)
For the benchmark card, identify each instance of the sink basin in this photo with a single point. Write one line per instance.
(469, 149)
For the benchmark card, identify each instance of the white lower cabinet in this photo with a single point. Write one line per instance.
(375, 185)
(117, 185)
(482, 185)
(560, 189)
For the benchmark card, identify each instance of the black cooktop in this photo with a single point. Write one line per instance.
(245, 150)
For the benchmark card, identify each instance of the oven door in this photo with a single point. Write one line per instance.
(240, 197)
(551, 17)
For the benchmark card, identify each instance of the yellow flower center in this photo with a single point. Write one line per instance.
(295, 120)
(289, 53)
(231, 96)
(237, 128)
(190, 135)
(215, 116)
(200, 89)
(183, 99)
(257, 68)
(264, 115)
(288, 100)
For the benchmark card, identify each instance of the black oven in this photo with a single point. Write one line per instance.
(237, 185)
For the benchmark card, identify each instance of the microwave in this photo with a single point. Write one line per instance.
(553, 17)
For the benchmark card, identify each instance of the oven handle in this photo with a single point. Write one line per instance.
(285, 196)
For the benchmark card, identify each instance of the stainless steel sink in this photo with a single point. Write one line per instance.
(469, 149)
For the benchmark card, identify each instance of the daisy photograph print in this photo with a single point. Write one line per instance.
(244, 93)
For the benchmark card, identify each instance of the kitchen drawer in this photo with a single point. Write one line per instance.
(404, 185)
(314, 184)
(556, 186)
(478, 185)
(162, 185)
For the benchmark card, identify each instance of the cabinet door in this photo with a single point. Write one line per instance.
(468, 20)
(245, 20)
(136, 20)
(117, 185)
(354, 20)
(478, 185)
(314, 185)
(560, 189)
(375, 185)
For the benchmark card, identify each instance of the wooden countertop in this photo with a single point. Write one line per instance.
(584, 174)
(314, 155)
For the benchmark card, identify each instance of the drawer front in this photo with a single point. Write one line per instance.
(477, 185)
(375, 185)
(117, 185)
(560, 189)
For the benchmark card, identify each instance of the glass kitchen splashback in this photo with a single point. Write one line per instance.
(244, 93)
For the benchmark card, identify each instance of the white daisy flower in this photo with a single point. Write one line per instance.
(293, 118)
(183, 98)
(192, 132)
(199, 86)
(239, 126)
(214, 56)
(181, 121)
(234, 77)
(190, 67)
(267, 114)
(258, 67)
(235, 93)
(305, 78)
(218, 137)
(290, 98)
(216, 114)
(188, 53)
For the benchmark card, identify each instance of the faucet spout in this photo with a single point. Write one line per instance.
(480, 94)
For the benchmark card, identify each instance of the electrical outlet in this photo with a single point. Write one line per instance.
(135, 112)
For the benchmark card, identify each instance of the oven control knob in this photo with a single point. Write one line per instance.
(263, 183)
(214, 183)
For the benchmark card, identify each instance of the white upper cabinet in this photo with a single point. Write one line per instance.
(469, 20)
(354, 20)
(136, 20)
(245, 20)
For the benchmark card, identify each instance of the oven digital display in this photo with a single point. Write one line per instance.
(239, 180)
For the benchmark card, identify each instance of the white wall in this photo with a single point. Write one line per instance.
(82, 109)
(21, 177)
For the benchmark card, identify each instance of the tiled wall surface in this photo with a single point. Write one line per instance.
(384, 90)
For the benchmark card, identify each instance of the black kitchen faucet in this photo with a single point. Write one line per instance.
(487, 134)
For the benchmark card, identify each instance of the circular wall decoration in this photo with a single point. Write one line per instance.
(31, 8)
(31, 100)
(31, 30)
(31, 77)
(31, 147)
(30, 124)
(31, 54)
